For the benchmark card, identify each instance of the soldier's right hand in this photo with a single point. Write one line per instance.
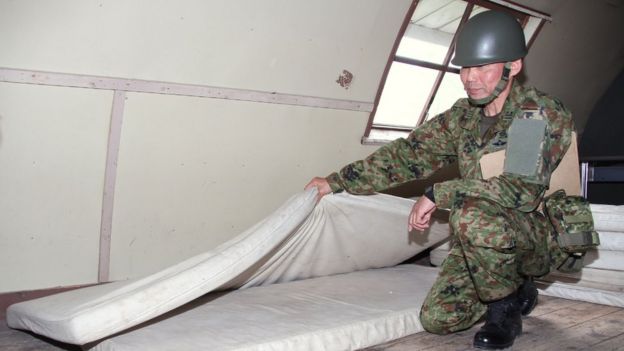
(321, 185)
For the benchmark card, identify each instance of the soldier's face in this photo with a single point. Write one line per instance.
(480, 81)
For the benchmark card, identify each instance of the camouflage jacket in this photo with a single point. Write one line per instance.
(454, 135)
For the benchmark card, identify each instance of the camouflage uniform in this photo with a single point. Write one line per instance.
(499, 236)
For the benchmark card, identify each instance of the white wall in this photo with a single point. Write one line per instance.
(192, 172)
(52, 152)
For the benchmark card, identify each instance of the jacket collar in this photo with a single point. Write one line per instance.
(472, 117)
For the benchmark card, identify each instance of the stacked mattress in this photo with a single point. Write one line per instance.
(602, 278)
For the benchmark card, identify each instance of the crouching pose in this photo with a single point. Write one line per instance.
(500, 239)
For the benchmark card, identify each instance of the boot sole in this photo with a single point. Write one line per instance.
(493, 347)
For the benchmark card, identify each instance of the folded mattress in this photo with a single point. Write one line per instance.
(300, 240)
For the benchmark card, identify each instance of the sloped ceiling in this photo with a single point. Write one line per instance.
(579, 53)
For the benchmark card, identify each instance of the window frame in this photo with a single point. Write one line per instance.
(523, 13)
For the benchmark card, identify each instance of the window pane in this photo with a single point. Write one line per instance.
(431, 30)
(405, 92)
(424, 44)
(381, 136)
(450, 90)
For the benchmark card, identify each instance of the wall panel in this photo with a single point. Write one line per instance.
(52, 157)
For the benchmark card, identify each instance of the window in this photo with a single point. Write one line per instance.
(420, 82)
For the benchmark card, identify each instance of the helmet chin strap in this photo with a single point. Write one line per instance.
(497, 90)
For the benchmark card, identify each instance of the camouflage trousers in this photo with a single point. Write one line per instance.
(493, 248)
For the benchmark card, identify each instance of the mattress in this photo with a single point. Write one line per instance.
(605, 259)
(300, 240)
(339, 312)
(609, 218)
(595, 278)
(582, 293)
(439, 252)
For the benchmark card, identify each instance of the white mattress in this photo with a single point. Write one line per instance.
(601, 279)
(605, 259)
(611, 241)
(609, 218)
(340, 312)
(582, 293)
(343, 233)
(439, 252)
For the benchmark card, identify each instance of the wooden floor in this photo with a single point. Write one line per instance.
(555, 324)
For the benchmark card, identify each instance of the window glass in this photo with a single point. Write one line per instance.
(425, 44)
(406, 90)
(430, 32)
(451, 89)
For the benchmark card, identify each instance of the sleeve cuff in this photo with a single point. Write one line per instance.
(429, 193)
(334, 182)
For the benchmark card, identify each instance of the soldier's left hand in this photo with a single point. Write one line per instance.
(420, 216)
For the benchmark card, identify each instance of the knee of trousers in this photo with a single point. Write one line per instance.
(436, 320)
(432, 324)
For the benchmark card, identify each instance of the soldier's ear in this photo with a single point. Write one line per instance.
(516, 67)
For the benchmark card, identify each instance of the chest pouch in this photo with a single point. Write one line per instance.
(573, 226)
(525, 147)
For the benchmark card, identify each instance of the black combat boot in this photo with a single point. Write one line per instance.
(503, 322)
(527, 296)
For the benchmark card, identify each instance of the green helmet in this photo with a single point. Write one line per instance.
(489, 37)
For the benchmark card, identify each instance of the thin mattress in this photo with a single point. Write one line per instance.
(300, 240)
(340, 312)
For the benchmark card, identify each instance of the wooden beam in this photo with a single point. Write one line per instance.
(110, 177)
(147, 86)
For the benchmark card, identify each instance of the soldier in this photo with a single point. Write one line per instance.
(501, 240)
